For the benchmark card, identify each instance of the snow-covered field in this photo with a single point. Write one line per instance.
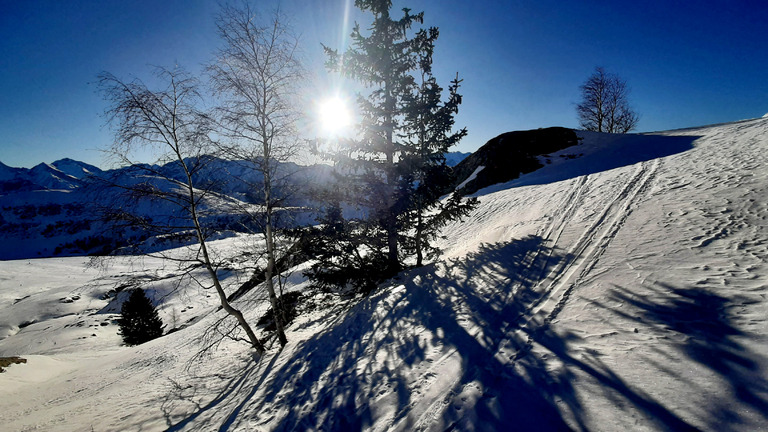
(621, 287)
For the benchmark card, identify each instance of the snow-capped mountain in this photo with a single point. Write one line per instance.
(6, 173)
(76, 169)
(623, 288)
(57, 209)
(64, 174)
(50, 177)
(453, 158)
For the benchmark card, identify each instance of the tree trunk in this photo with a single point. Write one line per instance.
(393, 261)
(255, 342)
(269, 237)
(419, 253)
(277, 310)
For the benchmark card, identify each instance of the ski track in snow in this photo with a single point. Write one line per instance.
(627, 299)
(594, 241)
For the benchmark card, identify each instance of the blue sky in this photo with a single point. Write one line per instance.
(688, 63)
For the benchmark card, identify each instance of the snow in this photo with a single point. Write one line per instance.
(623, 288)
(50, 177)
(75, 168)
(471, 177)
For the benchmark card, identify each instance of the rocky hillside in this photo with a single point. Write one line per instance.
(509, 155)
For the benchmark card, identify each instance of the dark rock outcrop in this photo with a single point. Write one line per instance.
(509, 155)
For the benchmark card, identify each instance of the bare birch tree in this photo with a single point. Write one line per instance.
(169, 122)
(604, 106)
(256, 74)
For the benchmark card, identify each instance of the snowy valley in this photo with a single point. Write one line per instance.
(621, 286)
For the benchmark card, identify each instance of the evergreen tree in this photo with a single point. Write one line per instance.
(429, 123)
(382, 60)
(395, 171)
(346, 253)
(139, 322)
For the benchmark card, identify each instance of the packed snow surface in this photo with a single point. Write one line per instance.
(623, 289)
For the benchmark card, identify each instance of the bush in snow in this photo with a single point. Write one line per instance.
(139, 322)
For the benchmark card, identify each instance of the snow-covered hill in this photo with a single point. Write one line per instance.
(623, 288)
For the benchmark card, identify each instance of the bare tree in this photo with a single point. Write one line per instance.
(604, 106)
(256, 74)
(169, 122)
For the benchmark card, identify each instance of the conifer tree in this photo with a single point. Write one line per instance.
(396, 167)
(383, 61)
(139, 322)
(429, 124)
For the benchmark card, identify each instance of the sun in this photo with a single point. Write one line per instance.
(334, 115)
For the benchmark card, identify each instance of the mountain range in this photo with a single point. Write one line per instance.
(57, 209)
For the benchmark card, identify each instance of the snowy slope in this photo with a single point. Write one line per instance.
(623, 289)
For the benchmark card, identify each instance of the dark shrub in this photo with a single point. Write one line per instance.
(139, 322)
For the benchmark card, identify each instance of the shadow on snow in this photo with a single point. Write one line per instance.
(711, 339)
(447, 348)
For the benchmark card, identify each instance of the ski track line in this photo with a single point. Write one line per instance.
(554, 288)
(585, 254)
(555, 229)
(559, 224)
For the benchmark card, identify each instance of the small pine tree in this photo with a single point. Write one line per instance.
(139, 322)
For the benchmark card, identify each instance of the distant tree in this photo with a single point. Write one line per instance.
(256, 73)
(139, 322)
(604, 106)
(169, 122)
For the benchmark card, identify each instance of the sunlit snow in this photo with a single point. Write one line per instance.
(624, 289)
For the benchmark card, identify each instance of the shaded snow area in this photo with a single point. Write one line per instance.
(623, 288)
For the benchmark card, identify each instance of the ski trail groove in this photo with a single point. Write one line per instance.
(551, 235)
(583, 256)
(559, 224)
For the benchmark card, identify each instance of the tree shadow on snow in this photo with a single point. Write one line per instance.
(187, 395)
(445, 348)
(390, 349)
(448, 347)
(711, 338)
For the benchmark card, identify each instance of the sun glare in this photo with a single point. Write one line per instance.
(334, 115)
